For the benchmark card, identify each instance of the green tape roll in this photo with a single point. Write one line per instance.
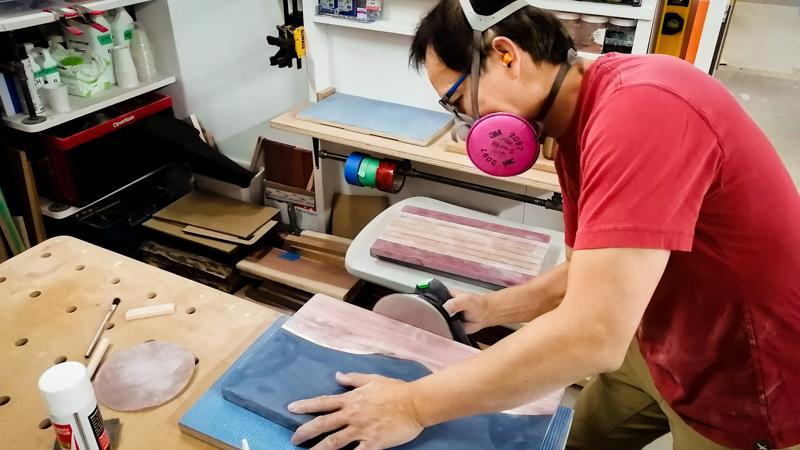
(367, 171)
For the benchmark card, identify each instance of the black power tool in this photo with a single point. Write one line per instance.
(425, 309)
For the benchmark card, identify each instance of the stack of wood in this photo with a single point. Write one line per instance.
(201, 236)
(308, 264)
(21, 224)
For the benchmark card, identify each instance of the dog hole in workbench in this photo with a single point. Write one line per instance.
(115, 280)
(35, 294)
(20, 342)
(2, 279)
(196, 360)
(4, 399)
(79, 268)
(45, 424)
(149, 340)
(110, 325)
(151, 295)
(191, 310)
(72, 309)
(46, 255)
(60, 359)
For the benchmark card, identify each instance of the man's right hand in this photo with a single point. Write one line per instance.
(474, 309)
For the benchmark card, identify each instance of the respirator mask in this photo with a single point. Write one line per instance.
(499, 144)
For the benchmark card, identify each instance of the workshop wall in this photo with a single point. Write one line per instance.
(221, 58)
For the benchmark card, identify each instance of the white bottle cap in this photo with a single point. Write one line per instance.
(566, 15)
(65, 388)
(594, 19)
(628, 23)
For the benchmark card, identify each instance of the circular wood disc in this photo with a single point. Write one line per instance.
(144, 376)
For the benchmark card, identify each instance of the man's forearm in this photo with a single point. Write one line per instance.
(588, 333)
(530, 300)
(544, 356)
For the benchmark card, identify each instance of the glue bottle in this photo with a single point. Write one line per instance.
(69, 397)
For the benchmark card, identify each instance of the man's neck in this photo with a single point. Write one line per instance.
(558, 120)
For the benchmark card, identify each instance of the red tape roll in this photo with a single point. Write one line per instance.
(389, 179)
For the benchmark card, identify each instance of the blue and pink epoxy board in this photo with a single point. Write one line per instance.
(267, 367)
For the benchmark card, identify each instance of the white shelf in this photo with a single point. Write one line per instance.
(33, 18)
(82, 106)
(645, 12)
(588, 55)
(384, 26)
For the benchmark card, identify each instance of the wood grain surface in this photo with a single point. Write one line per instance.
(345, 327)
(299, 272)
(469, 248)
(54, 297)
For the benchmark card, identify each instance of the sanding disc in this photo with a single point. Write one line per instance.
(144, 376)
(414, 310)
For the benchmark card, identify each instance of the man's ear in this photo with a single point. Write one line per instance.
(506, 53)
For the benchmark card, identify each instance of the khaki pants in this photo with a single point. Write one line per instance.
(624, 411)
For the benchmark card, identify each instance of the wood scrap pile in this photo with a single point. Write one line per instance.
(201, 236)
(307, 264)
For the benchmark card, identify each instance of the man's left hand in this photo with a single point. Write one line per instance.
(378, 414)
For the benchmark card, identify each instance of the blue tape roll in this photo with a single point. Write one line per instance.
(351, 168)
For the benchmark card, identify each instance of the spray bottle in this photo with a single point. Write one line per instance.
(69, 397)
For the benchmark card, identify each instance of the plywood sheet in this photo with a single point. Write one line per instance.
(487, 252)
(299, 272)
(175, 230)
(390, 120)
(259, 233)
(217, 213)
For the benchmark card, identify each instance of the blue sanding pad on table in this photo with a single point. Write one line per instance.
(265, 379)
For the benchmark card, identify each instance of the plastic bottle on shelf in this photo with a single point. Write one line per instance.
(96, 42)
(49, 67)
(143, 57)
(30, 66)
(122, 28)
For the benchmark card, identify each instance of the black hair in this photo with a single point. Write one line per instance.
(446, 29)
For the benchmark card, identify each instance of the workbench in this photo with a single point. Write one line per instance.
(55, 295)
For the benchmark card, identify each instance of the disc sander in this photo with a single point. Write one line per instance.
(414, 310)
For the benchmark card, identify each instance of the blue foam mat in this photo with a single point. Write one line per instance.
(228, 424)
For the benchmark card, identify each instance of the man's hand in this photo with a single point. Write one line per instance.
(474, 309)
(379, 413)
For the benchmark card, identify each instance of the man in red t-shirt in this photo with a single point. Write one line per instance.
(684, 229)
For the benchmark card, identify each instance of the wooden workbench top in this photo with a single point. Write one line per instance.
(435, 154)
(54, 296)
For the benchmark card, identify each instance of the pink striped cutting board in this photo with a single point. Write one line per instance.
(463, 247)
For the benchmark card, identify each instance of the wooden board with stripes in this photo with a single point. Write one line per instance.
(472, 249)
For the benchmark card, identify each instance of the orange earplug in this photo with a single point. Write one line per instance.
(508, 59)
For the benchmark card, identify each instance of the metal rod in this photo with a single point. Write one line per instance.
(553, 203)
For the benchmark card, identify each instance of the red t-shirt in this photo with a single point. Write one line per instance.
(661, 156)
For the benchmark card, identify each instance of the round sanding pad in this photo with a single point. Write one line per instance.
(413, 310)
(144, 376)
